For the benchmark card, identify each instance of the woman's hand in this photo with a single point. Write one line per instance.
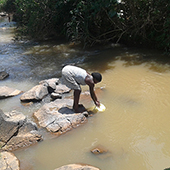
(97, 103)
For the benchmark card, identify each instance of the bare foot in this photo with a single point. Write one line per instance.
(80, 109)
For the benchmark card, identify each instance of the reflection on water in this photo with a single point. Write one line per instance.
(134, 127)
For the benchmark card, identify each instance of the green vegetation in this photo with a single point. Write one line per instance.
(7, 6)
(1, 3)
(143, 22)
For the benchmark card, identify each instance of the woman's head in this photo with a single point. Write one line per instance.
(97, 77)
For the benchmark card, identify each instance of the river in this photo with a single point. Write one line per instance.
(135, 125)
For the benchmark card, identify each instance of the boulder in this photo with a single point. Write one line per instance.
(77, 167)
(6, 92)
(57, 117)
(3, 75)
(61, 89)
(16, 131)
(8, 161)
(50, 84)
(37, 93)
(9, 124)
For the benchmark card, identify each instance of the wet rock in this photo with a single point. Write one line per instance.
(50, 83)
(37, 93)
(3, 75)
(9, 124)
(61, 89)
(77, 167)
(16, 131)
(57, 117)
(6, 92)
(27, 104)
(99, 150)
(44, 88)
(8, 161)
(55, 96)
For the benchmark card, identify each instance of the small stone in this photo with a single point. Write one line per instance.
(56, 96)
(99, 150)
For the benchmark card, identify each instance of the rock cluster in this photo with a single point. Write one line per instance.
(45, 87)
(16, 131)
(56, 116)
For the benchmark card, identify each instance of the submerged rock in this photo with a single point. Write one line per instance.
(6, 92)
(16, 131)
(8, 161)
(57, 117)
(99, 150)
(77, 167)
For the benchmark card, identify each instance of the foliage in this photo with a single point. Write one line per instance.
(40, 18)
(144, 22)
(91, 21)
(7, 5)
(1, 4)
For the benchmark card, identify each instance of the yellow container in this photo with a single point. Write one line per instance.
(101, 108)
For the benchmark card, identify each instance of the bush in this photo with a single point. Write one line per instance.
(144, 22)
(7, 6)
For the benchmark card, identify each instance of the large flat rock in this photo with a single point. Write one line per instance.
(58, 117)
(16, 131)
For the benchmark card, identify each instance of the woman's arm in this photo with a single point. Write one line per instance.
(93, 96)
(91, 85)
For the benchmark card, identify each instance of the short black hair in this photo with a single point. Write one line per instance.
(97, 76)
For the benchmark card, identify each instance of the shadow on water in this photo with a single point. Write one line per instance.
(101, 59)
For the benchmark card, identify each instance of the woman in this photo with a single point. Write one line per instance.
(73, 77)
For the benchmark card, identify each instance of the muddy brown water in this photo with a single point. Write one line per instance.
(135, 125)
